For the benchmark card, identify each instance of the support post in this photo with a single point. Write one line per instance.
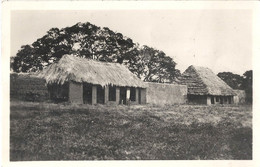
(127, 96)
(215, 100)
(94, 94)
(208, 100)
(143, 95)
(137, 95)
(106, 94)
(224, 100)
(117, 95)
(232, 100)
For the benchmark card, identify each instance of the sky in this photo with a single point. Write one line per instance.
(218, 39)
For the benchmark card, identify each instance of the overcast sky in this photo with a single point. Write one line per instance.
(218, 39)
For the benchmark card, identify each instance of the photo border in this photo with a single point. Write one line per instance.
(8, 6)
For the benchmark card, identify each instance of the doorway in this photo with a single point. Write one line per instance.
(139, 96)
(221, 100)
(212, 100)
(122, 95)
(87, 93)
(100, 95)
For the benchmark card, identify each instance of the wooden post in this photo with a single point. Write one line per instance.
(117, 95)
(127, 96)
(224, 100)
(106, 94)
(94, 94)
(143, 95)
(137, 95)
(208, 100)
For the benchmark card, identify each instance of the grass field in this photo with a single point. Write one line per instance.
(41, 131)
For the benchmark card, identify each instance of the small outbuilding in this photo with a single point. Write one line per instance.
(81, 80)
(204, 87)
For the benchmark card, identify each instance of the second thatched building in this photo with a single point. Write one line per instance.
(80, 80)
(204, 87)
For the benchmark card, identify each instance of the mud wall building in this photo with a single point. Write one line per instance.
(85, 81)
(160, 93)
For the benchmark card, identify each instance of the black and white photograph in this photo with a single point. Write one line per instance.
(130, 84)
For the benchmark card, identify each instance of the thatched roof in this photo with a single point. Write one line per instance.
(72, 68)
(202, 81)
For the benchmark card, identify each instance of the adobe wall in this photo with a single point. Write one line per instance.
(143, 98)
(160, 93)
(76, 92)
(28, 88)
(240, 97)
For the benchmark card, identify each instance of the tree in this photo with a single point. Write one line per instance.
(153, 65)
(248, 85)
(26, 60)
(90, 41)
(235, 81)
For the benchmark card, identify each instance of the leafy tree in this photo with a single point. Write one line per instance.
(26, 60)
(236, 81)
(248, 85)
(89, 41)
(153, 65)
(233, 80)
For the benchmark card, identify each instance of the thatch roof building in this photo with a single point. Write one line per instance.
(72, 68)
(99, 82)
(206, 87)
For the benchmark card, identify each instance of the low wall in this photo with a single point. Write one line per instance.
(76, 92)
(240, 97)
(28, 88)
(159, 93)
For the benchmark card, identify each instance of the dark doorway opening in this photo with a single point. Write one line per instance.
(229, 100)
(221, 100)
(112, 93)
(212, 100)
(122, 95)
(100, 95)
(217, 99)
(225, 100)
(59, 93)
(87, 93)
(139, 96)
(132, 94)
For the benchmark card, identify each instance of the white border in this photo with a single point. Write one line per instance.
(7, 7)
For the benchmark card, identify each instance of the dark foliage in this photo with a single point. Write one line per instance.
(93, 42)
(248, 85)
(236, 81)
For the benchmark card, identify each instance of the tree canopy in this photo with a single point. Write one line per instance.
(93, 42)
(236, 81)
(248, 85)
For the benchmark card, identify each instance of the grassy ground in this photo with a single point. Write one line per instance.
(41, 131)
